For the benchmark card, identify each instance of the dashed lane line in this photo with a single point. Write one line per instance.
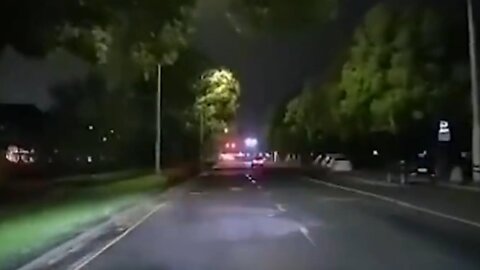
(306, 234)
(280, 207)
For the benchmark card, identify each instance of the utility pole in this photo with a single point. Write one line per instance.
(201, 136)
(475, 94)
(159, 121)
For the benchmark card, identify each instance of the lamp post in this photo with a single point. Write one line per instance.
(474, 93)
(159, 121)
(201, 133)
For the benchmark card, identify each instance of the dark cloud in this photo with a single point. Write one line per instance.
(27, 80)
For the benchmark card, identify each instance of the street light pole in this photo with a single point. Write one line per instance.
(159, 121)
(475, 94)
(201, 136)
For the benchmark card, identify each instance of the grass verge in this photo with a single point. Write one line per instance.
(28, 229)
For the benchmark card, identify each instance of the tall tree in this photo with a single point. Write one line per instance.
(403, 72)
(35, 26)
(398, 71)
(281, 14)
(217, 99)
(128, 39)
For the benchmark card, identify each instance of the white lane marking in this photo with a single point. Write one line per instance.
(398, 202)
(306, 234)
(337, 199)
(259, 187)
(196, 193)
(253, 181)
(118, 238)
(280, 207)
(236, 189)
(373, 182)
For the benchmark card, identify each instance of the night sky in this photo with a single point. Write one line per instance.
(271, 68)
(27, 80)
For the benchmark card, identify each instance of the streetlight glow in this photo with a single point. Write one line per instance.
(251, 142)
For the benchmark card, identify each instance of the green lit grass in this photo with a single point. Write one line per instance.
(27, 232)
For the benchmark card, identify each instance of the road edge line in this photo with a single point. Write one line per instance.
(377, 183)
(118, 238)
(397, 202)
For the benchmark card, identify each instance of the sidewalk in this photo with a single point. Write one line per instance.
(462, 203)
(382, 178)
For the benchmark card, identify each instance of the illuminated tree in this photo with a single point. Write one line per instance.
(218, 92)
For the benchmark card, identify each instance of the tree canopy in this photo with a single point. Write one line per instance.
(400, 78)
(217, 99)
(281, 14)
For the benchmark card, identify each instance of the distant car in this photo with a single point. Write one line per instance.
(339, 163)
(258, 161)
(231, 160)
(420, 170)
(326, 160)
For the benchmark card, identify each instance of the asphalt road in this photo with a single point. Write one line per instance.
(280, 220)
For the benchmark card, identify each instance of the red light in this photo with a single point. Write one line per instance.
(230, 145)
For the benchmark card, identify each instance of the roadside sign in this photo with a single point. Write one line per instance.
(444, 132)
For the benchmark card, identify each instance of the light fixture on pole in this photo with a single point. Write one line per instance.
(251, 142)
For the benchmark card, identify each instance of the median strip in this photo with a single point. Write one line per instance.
(28, 230)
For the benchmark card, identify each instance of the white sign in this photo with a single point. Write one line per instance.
(444, 132)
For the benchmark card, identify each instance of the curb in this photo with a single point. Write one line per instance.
(370, 182)
(382, 183)
(460, 187)
(119, 222)
(91, 257)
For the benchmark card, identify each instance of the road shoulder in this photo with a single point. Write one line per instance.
(458, 205)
